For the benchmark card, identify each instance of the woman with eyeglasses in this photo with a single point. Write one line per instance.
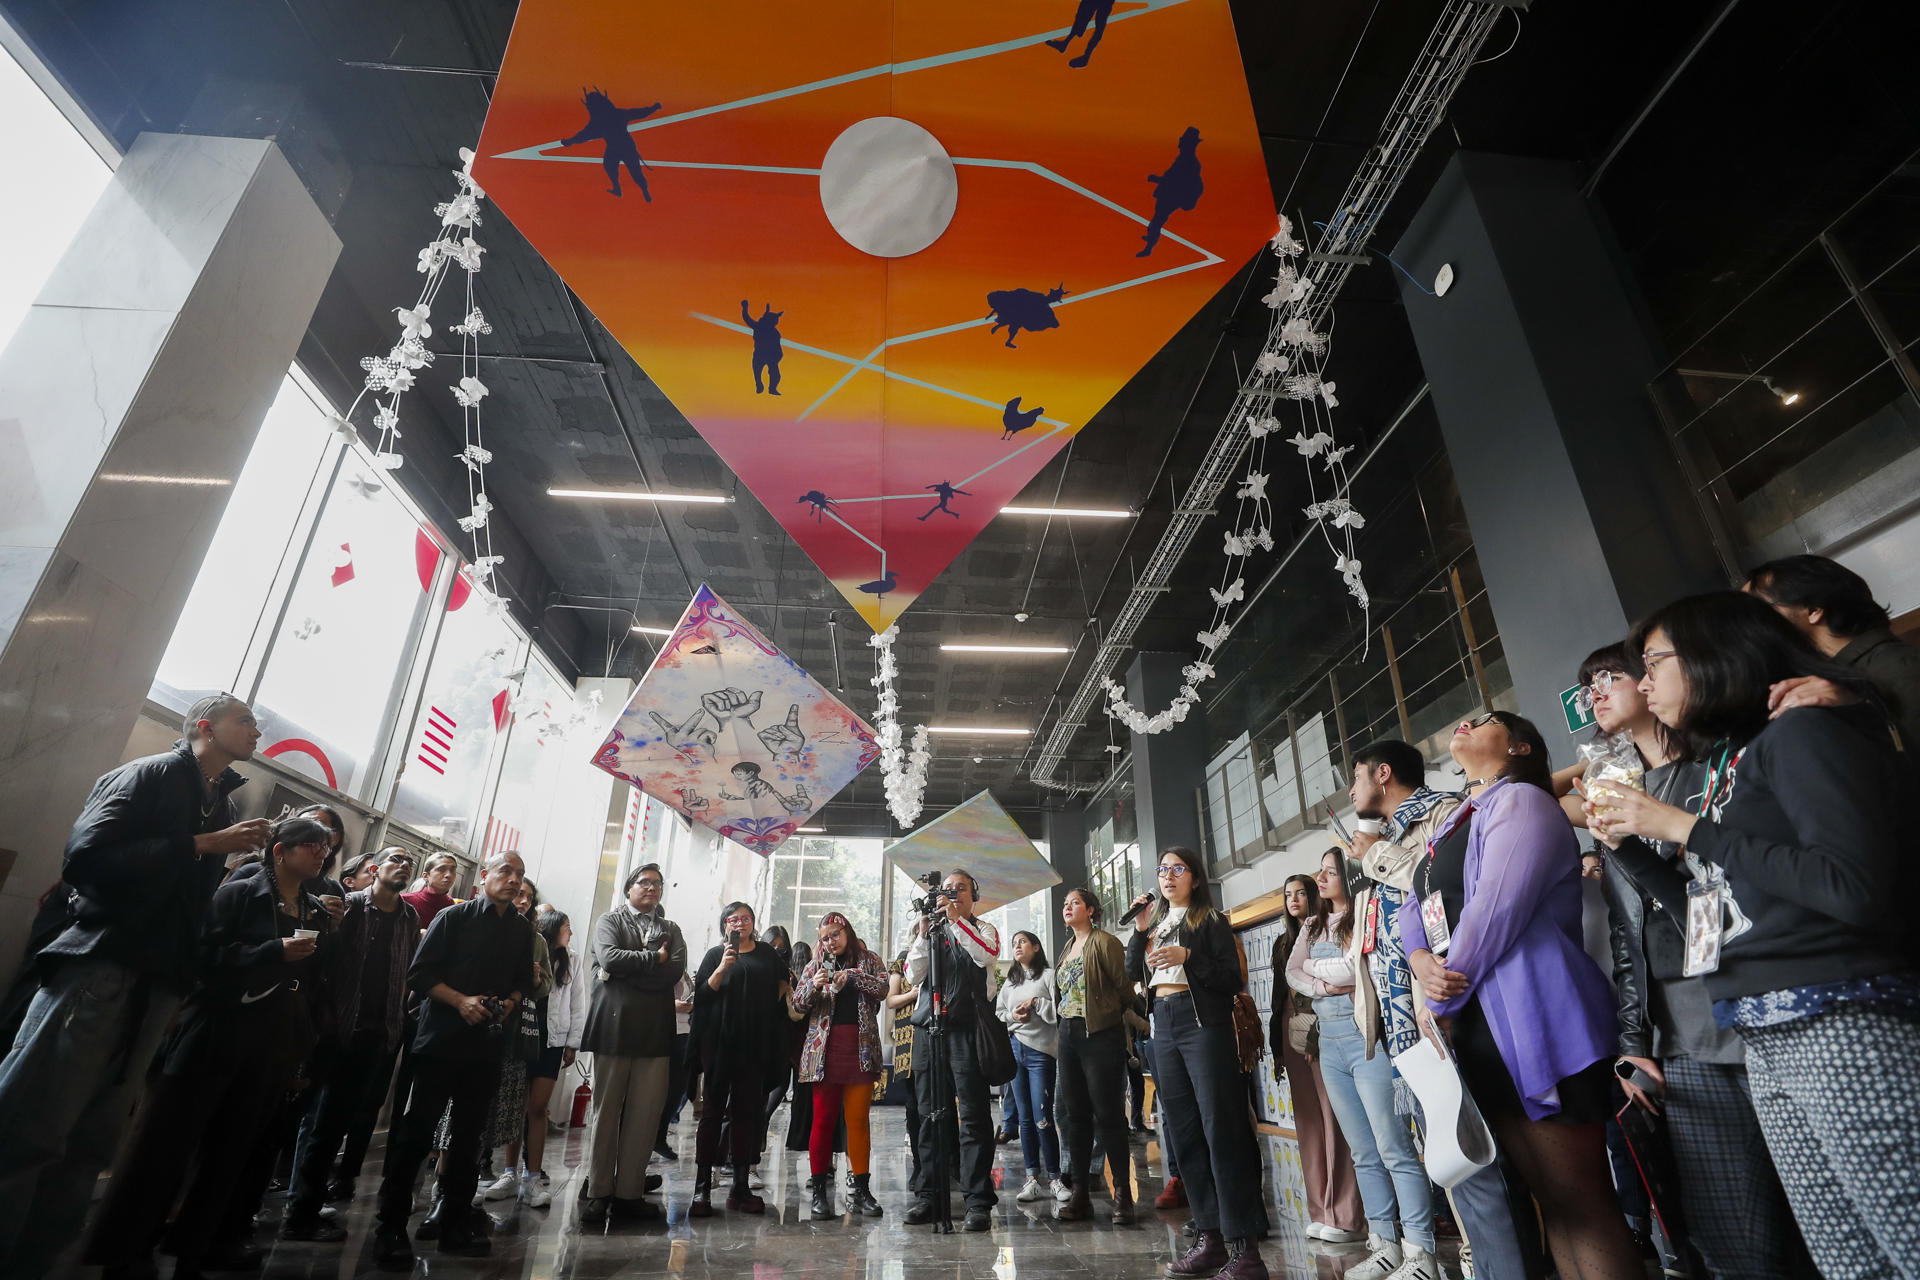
(739, 1035)
(840, 994)
(1093, 992)
(1186, 953)
(1674, 1059)
(1793, 891)
(1492, 930)
(1394, 1191)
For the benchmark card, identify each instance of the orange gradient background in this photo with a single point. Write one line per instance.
(712, 237)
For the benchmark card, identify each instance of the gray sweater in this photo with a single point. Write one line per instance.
(630, 1012)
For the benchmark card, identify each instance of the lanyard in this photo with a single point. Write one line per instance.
(1719, 773)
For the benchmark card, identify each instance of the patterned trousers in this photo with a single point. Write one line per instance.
(1737, 1213)
(1836, 1100)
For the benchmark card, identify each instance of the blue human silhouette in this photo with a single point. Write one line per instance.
(767, 350)
(609, 124)
(1015, 419)
(1094, 11)
(1178, 188)
(819, 501)
(946, 492)
(1017, 309)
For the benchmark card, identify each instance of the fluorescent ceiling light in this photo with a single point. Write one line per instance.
(1089, 513)
(194, 482)
(652, 631)
(977, 730)
(810, 831)
(637, 495)
(1004, 648)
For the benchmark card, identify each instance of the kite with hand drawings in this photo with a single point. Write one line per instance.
(758, 788)
(725, 705)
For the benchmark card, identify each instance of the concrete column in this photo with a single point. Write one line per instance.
(129, 399)
(1539, 359)
(1066, 836)
(1168, 768)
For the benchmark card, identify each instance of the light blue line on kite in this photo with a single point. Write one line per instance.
(851, 77)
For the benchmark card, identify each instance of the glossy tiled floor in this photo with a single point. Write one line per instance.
(1026, 1241)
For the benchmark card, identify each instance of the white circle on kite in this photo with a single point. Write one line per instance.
(888, 187)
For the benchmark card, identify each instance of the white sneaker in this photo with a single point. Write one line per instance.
(1383, 1259)
(536, 1190)
(507, 1184)
(753, 1181)
(1032, 1190)
(1061, 1191)
(1417, 1264)
(1332, 1234)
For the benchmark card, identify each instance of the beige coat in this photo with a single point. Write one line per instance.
(1391, 863)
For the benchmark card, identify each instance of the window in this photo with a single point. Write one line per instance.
(40, 153)
(532, 766)
(337, 664)
(813, 875)
(257, 534)
(463, 716)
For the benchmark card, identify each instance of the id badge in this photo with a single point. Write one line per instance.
(1373, 926)
(1433, 916)
(1703, 927)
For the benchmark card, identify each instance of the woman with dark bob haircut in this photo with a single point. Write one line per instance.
(739, 1041)
(1798, 871)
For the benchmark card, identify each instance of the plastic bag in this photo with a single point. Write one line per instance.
(1611, 763)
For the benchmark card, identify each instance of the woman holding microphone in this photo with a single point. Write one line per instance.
(1185, 953)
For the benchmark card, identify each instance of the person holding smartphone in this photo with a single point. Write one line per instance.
(739, 1037)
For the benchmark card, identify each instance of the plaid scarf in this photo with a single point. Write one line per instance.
(1392, 978)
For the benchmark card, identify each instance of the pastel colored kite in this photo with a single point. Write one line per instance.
(887, 256)
(977, 837)
(730, 732)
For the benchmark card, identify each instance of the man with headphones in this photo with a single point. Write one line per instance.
(969, 948)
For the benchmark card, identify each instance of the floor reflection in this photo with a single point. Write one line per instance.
(1026, 1242)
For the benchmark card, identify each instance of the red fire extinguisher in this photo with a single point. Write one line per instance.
(582, 1098)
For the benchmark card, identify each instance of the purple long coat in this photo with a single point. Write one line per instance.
(1550, 1009)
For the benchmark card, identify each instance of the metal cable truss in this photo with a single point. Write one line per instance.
(1437, 73)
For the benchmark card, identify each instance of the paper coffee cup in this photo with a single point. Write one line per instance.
(306, 933)
(1372, 826)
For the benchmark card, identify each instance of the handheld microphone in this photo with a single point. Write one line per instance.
(1137, 909)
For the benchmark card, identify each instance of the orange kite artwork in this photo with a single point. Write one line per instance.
(886, 257)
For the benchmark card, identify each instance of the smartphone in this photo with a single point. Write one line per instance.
(733, 939)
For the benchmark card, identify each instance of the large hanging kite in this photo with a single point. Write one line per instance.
(886, 257)
(728, 731)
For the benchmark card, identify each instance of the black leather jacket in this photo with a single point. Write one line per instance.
(1213, 966)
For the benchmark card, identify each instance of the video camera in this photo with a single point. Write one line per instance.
(937, 894)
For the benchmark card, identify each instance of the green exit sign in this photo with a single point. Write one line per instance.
(1576, 708)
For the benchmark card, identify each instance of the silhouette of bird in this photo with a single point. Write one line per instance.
(880, 586)
(1016, 421)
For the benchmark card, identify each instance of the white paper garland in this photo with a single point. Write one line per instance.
(1289, 368)
(391, 376)
(902, 770)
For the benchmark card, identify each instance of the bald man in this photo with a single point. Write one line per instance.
(473, 966)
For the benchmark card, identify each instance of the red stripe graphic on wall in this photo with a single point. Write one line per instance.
(436, 740)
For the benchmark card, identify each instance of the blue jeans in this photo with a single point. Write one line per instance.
(1032, 1088)
(1393, 1183)
(67, 1090)
(1485, 1215)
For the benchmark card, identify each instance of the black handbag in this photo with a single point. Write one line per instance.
(992, 1046)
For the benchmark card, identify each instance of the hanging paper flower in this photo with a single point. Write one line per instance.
(484, 566)
(462, 211)
(1255, 487)
(1262, 426)
(1334, 456)
(1272, 363)
(470, 391)
(1211, 640)
(903, 778)
(413, 322)
(475, 457)
(430, 257)
(1299, 289)
(343, 428)
(473, 325)
(1308, 445)
(1349, 519)
(1326, 394)
(1283, 241)
(1262, 538)
(1301, 386)
(387, 461)
(465, 174)
(1237, 591)
(1238, 545)
(307, 629)
(466, 252)
(386, 419)
(478, 520)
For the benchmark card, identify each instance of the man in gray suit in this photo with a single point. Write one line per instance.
(637, 956)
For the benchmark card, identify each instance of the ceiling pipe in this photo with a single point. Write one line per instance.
(1456, 40)
(1672, 77)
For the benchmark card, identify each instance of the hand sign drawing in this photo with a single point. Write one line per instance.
(785, 738)
(686, 739)
(724, 704)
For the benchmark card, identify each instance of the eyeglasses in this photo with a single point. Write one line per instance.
(1175, 872)
(1481, 722)
(1652, 658)
(646, 882)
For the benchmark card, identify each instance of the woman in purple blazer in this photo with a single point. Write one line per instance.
(1492, 929)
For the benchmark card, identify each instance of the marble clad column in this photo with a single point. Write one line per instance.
(129, 399)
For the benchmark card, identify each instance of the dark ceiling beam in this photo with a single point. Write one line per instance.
(1667, 82)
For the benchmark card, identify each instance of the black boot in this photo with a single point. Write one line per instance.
(821, 1187)
(702, 1206)
(429, 1228)
(862, 1201)
(741, 1199)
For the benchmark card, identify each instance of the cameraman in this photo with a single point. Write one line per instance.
(968, 948)
(472, 967)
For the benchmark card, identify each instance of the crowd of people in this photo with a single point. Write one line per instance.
(212, 1009)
